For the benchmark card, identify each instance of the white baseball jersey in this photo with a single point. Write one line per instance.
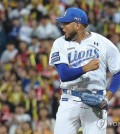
(76, 54)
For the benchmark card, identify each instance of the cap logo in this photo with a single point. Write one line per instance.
(77, 19)
(65, 13)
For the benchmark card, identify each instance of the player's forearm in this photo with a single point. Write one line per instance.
(68, 74)
(114, 86)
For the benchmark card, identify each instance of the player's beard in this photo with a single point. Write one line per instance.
(72, 36)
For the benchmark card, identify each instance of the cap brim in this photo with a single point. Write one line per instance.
(64, 19)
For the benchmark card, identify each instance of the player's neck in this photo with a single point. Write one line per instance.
(82, 36)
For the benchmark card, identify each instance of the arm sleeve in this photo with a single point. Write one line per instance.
(68, 74)
(115, 84)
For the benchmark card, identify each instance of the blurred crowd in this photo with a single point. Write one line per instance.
(29, 87)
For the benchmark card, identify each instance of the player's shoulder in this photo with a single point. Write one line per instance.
(102, 39)
(99, 36)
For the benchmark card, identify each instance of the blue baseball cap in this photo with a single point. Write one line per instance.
(74, 14)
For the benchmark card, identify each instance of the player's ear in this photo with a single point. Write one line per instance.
(77, 26)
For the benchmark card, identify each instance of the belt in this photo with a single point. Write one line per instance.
(78, 93)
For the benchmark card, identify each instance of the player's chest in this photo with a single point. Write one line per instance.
(81, 53)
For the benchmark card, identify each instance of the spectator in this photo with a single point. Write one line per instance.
(16, 96)
(37, 9)
(2, 38)
(19, 131)
(9, 54)
(35, 45)
(3, 130)
(115, 39)
(93, 21)
(110, 130)
(27, 128)
(56, 7)
(118, 130)
(45, 124)
(31, 104)
(19, 118)
(25, 32)
(47, 30)
(108, 12)
(13, 35)
(22, 56)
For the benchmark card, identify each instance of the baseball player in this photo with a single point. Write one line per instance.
(81, 59)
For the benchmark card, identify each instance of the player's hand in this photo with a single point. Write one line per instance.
(91, 66)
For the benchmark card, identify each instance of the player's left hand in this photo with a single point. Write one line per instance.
(94, 100)
(108, 97)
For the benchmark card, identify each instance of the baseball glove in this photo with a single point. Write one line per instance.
(94, 100)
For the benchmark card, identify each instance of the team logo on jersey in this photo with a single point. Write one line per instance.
(96, 43)
(76, 57)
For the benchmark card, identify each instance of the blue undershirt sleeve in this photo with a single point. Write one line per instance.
(68, 74)
(115, 84)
